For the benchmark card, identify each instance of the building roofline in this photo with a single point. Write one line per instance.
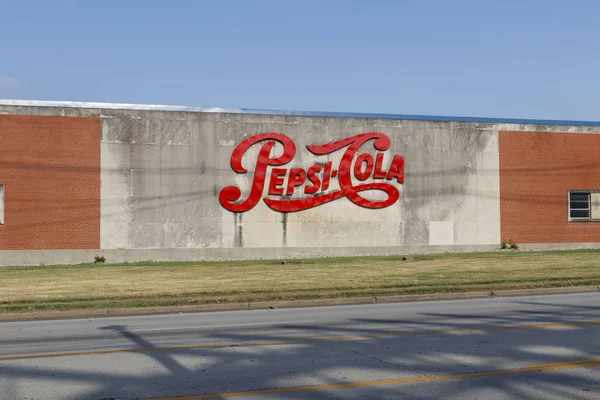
(113, 106)
(152, 107)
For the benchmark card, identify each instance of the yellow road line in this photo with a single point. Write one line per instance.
(386, 382)
(574, 362)
(305, 340)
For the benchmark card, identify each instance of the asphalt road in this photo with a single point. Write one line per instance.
(543, 347)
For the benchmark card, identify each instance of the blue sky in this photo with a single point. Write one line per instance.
(523, 59)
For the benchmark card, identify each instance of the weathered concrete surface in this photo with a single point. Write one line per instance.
(162, 172)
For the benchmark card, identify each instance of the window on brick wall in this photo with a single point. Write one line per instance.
(579, 205)
(1, 204)
(584, 205)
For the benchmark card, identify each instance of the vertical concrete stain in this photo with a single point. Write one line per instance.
(235, 233)
(240, 232)
(284, 222)
(236, 238)
(401, 234)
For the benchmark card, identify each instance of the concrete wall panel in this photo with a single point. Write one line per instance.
(179, 163)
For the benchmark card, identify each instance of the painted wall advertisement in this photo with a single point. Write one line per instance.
(297, 189)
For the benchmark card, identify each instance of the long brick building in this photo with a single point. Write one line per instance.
(158, 182)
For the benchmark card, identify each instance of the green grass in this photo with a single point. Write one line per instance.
(151, 284)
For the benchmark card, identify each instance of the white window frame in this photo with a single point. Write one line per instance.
(589, 209)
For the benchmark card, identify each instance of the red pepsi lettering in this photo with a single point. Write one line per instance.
(277, 178)
(297, 177)
(313, 179)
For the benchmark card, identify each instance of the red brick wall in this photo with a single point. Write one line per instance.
(536, 171)
(50, 168)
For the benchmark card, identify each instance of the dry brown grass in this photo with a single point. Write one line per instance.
(90, 285)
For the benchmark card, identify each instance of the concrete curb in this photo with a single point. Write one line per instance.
(265, 305)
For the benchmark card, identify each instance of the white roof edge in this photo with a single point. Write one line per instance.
(115, 106)
(151, 107)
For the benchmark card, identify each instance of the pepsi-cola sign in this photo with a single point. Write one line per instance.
(306, 188)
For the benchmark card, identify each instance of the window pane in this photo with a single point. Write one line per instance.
(580, 213)
(580, 197)
(580, 204)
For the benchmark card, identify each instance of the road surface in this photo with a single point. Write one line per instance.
(543, 347)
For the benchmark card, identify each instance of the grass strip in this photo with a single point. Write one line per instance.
(134, 285)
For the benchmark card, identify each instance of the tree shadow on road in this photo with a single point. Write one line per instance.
(435, 344)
